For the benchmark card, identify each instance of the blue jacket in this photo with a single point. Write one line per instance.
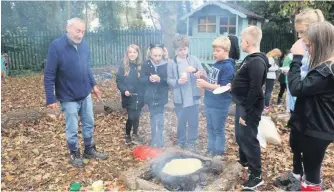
(67, 71)
(222, 73)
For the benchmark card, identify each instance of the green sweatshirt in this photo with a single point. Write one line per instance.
(286, 63)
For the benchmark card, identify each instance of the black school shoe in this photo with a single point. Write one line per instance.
(285, 180)
(253, 182)
(75, 159)
(93, 154)
(243, 164)
(128, 139)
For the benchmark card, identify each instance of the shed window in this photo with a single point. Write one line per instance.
(228, 25)
(207, 24)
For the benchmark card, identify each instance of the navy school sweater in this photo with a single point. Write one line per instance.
(67, 75)
(222, 73)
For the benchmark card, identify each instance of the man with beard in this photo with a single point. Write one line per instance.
(68, 79)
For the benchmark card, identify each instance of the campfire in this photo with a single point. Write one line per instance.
(179, 170)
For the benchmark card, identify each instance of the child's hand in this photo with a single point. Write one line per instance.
(201, 83)
(53, 106)
(157, 79)
(127, 93)
(191, 69)
(182, 80)
(198, 74)
(152, 78)
(298, 48)
(242, 122)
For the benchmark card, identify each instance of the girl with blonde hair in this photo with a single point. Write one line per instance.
(303, 21)
(154, 77)
(128, 83)
(273, 57)
(313, 117)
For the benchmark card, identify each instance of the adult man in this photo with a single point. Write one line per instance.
(68, 73)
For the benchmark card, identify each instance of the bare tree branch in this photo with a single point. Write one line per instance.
(126, 14)
(152, 17)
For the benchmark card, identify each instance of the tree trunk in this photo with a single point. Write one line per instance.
(68, 9)
(168, 21)
(138, 9)
(188, 6)
(54, 21)
(126, 15)
(86, 15)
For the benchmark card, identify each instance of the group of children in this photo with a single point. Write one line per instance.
(307, 75)
(148, 83)
(311, 125)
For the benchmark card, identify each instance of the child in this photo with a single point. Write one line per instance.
(182, 74)
(4, 65)
(313, 117)
(273, 56)
(128, 83)
(248, 96)
(286, 63)
(154, 77)
(303, 21)
(282, 78)
(217, 106)
(235, 49)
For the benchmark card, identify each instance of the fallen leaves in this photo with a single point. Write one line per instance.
(35, 156)
(9, 177)
(35, 151)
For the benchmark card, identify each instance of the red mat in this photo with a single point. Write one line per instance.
(144, 152)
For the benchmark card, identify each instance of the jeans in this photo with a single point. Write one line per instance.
(215, 119)
(291, 99)
(269, 88)
(72, 111)
(246, 137)
(157, 125)
(184, 115)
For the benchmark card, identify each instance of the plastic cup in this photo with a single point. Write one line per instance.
(98, 186)
(184, 75)
(75, 186)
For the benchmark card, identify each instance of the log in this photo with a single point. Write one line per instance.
(228, 179)
(129, 179)
(148, 186)
(34, 114)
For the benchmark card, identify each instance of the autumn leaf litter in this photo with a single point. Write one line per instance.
(35, 157)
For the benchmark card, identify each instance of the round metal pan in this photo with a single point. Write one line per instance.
(181, 183)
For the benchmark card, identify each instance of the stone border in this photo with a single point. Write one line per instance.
(227, 180)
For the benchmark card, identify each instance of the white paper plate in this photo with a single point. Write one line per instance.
(284, 68)
(221, 89)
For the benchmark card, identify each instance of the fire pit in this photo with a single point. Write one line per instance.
(205, 174)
